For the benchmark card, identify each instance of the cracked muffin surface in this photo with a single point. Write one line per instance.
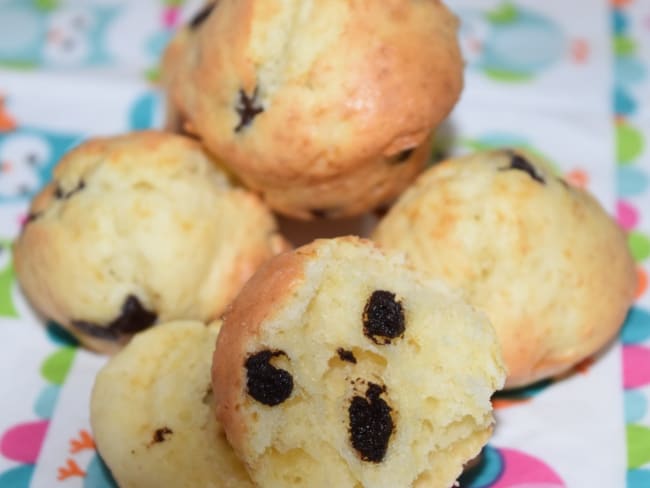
(338, 365)
(542, 258)
(152, 413)
(325, 108)
(139, 229)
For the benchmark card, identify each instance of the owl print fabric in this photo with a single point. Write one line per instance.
(28, 156)
(71, 36)
(568, 81)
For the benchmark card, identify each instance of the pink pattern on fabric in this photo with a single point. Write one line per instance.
(525, 471)
(636, 366)
(171, 17)
(23, 442)
(627, 215)
(535, 485)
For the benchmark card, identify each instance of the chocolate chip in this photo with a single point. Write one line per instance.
(96, 331)
(380, 212)
(266, 383)
(371, 424)
(60, 194)
(520, 163)
(318, 213)
(383, 317)
(159, 435)
(32, 216)
(133, 318)
(202, 15)
(247, 109)
(402, 156)
(346, 355)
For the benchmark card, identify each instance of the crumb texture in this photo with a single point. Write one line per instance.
(139, 229)
(362, 412)
(543, 259)
(153, 417)
(317, 104)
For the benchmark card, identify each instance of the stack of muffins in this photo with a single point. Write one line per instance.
(343, 362)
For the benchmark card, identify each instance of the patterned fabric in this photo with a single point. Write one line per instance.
(568, 80)
(631, 42)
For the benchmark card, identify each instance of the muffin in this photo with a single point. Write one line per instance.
(542, 258)
(135, 230)
(338, 365)
(325, 108)
(152, 413)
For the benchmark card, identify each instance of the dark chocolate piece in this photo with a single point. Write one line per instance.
(371, 424)
(403, 156)
(133, 318)
(96, 331)
(325, 213)
(266, 383)
(32, 216)
(346, 355)
(202, 15)
(383, 317)
(159, 435)
(520, 163)
(319, 213)
(62, 195)
(247, 109)
(381, 211)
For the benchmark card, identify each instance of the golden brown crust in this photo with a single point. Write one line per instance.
(159, 384)
(308, 309)
(543, 259)
(269, 286)
(345, 90)
(147, 214)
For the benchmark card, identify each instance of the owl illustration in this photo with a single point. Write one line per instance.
(511, 43)
(27, 157)
(139, 35)
(65, 37)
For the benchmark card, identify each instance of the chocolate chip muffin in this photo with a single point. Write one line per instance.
(338, 365)
(152, 413)
(325, 108)
(542, 258)
(138, 229)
